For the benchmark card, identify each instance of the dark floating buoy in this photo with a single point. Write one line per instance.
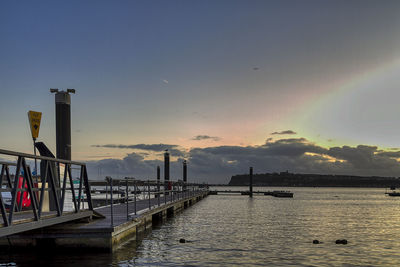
(341, 241)
(315, 241)
(182, 240)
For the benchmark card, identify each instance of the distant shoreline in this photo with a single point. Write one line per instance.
(377, 187)
(287, 179)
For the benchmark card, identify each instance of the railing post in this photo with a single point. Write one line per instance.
(109, 179)
(106, 194)
(148, 186)
(127, 200)
(165, 197)
(158, 185)
(134, 188)
(119, 192)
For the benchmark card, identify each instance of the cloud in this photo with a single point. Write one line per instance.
(132, 165)
(217, 164)
(173, 149)
(284, 132)
(390, 154)
(206, 137)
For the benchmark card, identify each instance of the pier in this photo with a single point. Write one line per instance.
(275, 193)
(111, 225)
(61, 211)
(251, 192)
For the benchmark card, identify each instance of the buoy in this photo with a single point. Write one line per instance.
(315, 241)
(182, 240)
(341, 241)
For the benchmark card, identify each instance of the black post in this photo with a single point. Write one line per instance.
(34, 152)
(63, 123)
(109, 179)
(63, 131)
(106, 194)
(166, 169)
(148, 186)
(251, 181)
(127, 200)
(135, 195)
(158, 185)
(184, 174)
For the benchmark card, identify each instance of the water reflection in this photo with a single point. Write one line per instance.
(263, 231)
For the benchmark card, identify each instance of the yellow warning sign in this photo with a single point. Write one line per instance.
(34, 121)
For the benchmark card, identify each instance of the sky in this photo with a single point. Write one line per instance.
(303, 86)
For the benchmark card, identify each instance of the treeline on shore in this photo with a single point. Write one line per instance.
(319, 180)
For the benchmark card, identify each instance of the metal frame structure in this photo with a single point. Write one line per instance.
(15, 219)
(179, 190)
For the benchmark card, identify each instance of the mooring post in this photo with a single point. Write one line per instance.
(251, 181)
(63, 132)
(166, 168)
(184, 175)
(158, 185)
(63, 123)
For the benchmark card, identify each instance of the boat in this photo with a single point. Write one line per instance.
(282, 194)
(394, 194)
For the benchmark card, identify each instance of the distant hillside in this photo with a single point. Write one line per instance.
(294, 179)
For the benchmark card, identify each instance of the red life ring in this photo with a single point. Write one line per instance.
(26, 200)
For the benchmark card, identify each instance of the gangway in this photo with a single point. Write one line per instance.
(52, 183)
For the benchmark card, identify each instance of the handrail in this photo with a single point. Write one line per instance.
(179, 190)
(22, 182)
(25, 155)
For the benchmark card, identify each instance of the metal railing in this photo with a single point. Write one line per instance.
(22, 184)
(134, 189)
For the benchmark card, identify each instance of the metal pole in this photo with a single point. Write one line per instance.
(148, 186)
(127, 200)
(63, 123)
(34, 152)
(158, 184)
(118, 194)
(251, 181)
(134, 186)
(112, 202)
(106, 194)
(166, 168)
(184, 174)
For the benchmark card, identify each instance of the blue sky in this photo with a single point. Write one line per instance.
(164, 72)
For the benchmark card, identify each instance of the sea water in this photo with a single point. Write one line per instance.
(235, 230)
